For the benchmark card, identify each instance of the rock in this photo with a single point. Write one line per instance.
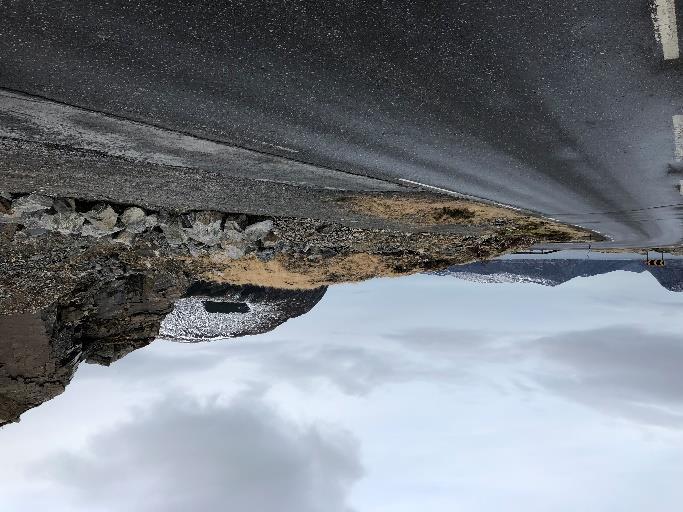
(8, 230)
(231, 225)
(136, 221)
(328, 252)
(132, 216)
(208, 217)
(34, 231)
(102, 220)
(186, 220)
(326, 229)
(258, 230)
(266, 255)
(233, 252)
(6, 195)
(66, 205)
(173, 232)
(68, 223)
(125, 238)
(269, 241)
(31, 203)
(234, 244)
(151, 221)
(234, 237)
(5, 206)
(195, 250)
(206, 228)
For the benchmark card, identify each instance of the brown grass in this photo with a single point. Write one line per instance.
(430, 211)
(286, 273)
(422, 211)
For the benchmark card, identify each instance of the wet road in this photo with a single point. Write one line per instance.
(557, 107)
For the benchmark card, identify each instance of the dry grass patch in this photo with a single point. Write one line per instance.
(290, 273)
(428, 210)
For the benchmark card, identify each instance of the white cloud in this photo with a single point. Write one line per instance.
(627, 371)
(181, 455)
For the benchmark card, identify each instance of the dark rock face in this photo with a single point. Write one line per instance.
(102, 321)
(33, 366)
(99, 322)
(91, 281)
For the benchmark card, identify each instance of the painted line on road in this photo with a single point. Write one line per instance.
(458, 194)
(666, 31)
(432, 187)
(678, 138)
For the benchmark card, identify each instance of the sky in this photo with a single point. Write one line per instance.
(422, 393)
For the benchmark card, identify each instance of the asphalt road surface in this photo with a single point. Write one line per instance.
(563, 108)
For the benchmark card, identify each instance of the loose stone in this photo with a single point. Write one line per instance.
(31, 203)
(258, 230)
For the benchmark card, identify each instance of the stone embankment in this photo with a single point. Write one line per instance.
(191, 233)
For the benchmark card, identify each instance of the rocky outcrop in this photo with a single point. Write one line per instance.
(35, 365)
(91, 282)
(114, 313)
(109, 314)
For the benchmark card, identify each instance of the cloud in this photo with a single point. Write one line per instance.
(181, 455)
(621, 370)
(152, 364)
(357, 366)
(464, 344)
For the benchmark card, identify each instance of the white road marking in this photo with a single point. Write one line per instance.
(281, 148)
(458, 194)
(678, 138)
(666, 32)
(445, 191)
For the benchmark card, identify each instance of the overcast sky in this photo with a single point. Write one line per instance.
(425, 393)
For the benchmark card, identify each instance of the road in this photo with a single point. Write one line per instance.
(563, 108)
